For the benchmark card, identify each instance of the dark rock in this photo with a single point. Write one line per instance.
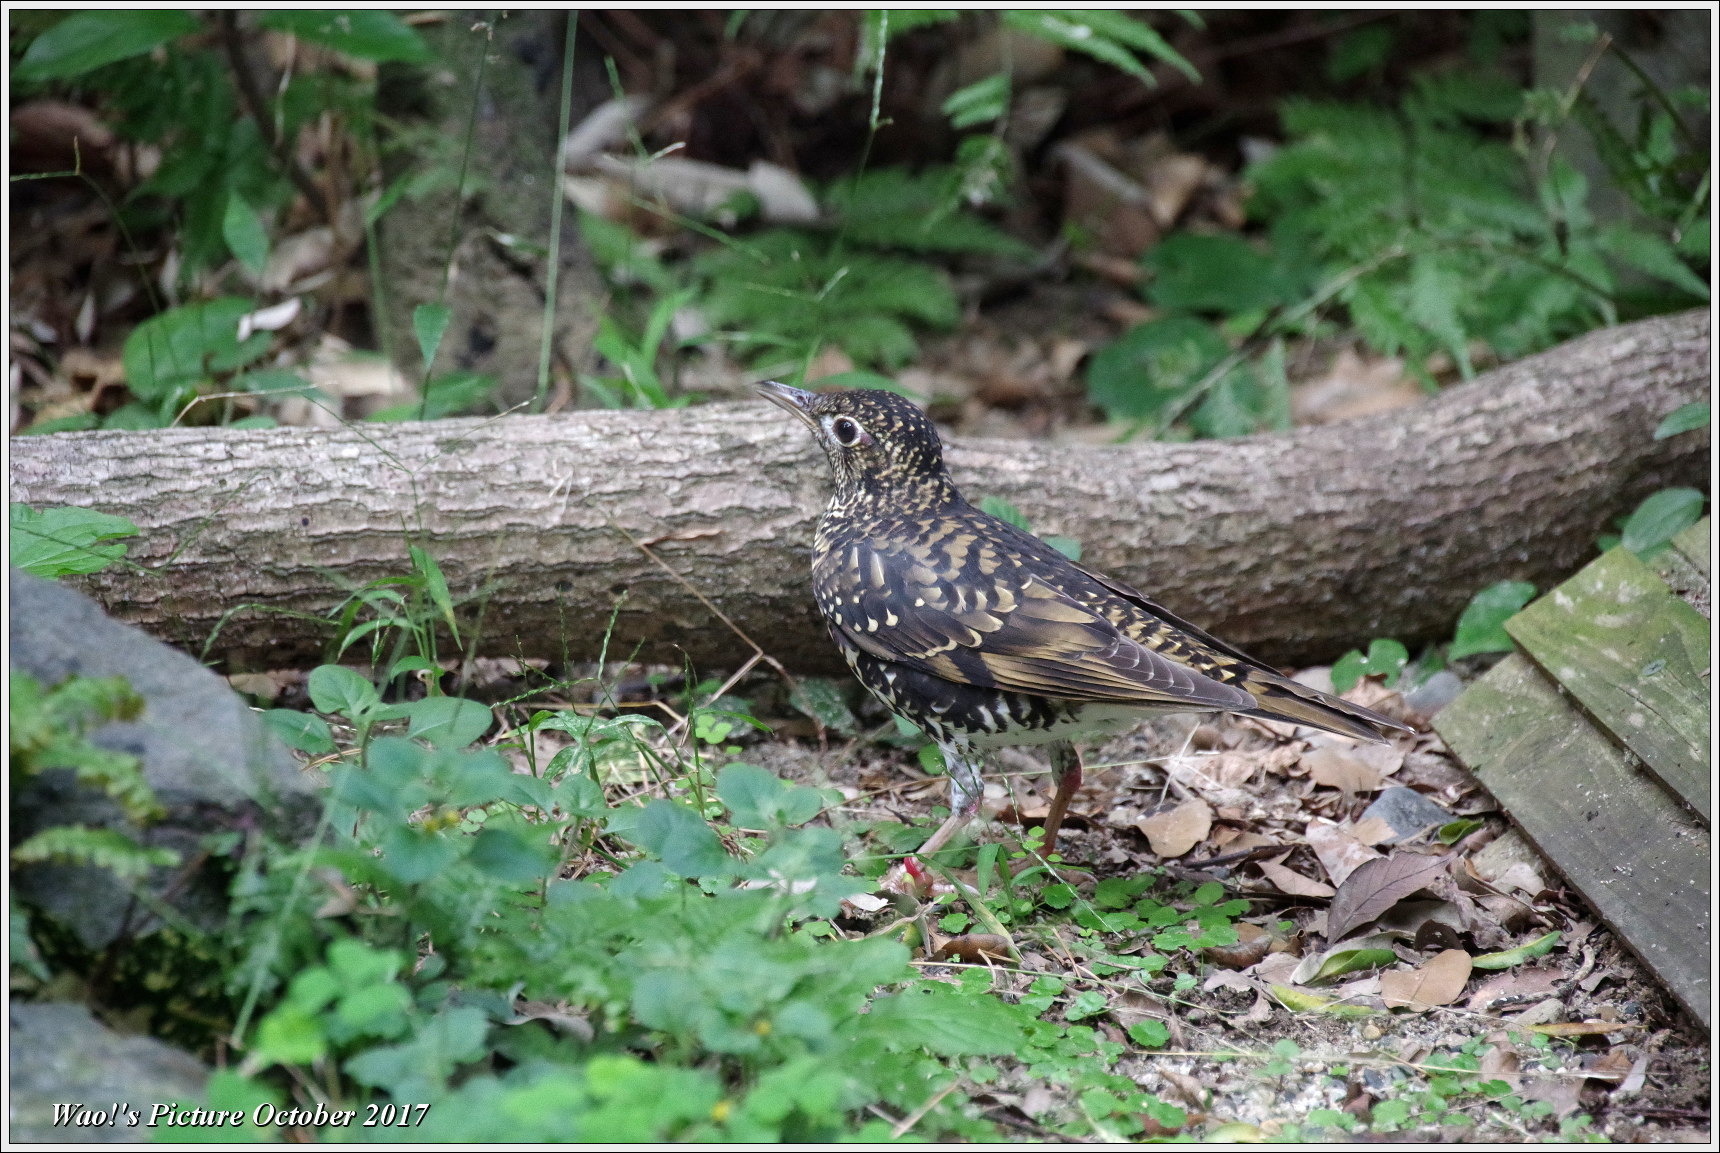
(205, 753)
(1407, 812)
(61, 1055)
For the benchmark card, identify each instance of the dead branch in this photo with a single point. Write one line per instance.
(1296, 546)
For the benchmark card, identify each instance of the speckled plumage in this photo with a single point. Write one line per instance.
(984, 635)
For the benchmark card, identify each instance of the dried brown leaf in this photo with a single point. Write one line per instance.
(1635, 1079)
(1439, 982)
(1252, 944)
(1340, 769)
(1559, 1092)
(1514, 985)
(1339, 852)
(1373, 887)
(1501, 1063)
(974, 948)
(1371, 831)
(1276, 969)
(1354, 386)
(1173, 832)
(561, 1015)
(1290, 881)
(1188, 1088)
(1227, 979)
(1522, 877)
(1613, 1065)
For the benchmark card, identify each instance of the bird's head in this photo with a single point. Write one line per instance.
(876, 441)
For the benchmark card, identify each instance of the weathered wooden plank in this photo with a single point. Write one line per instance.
(1633, 654)
(1685, 567)
(1639, 858)
(1695, 544)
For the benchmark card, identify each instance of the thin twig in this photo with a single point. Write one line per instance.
(704, 600)
(1569, 102)
(258, 109)
(552, 272)
(913, 1118)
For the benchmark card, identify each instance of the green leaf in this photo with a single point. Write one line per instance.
(77, 422)
(508, 855)
(1350, 961)
(376, 1010)
(429, 323)
(1113, 37)
(980, 102)
(1153, 366)
(681, 840)
(758, 799)
(447, 722)
(943, 1021)
(230, 1091)
(1454, 831)
(1004, 511)
(1661, 517)
(414, 855)
(436, 585)
(1510, 957)
(244, 233)
(931, 759)
(368, 34)
(1362, 50)
(85, 41)
(290, 1036)
(1481, 628)
(923, 211)
(390, 782)
(1684, 418)
(1221, 273)
(1652, 254)
(1694, 242)
(57, 542)
(338, 690)
(1067, 545)
(1385, 658)
(306, 732)
(1057, 895)
(101, 848)
(821, 699)
(1088, 1003)
(418, 1069)
(166, 354)
(357, 963)
(1150, 1034)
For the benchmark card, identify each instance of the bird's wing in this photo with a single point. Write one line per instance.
(1277, 696)
(974, 611)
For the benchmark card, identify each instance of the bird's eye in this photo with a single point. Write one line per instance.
(846, 432)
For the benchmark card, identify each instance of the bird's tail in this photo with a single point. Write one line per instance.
(1282, 699)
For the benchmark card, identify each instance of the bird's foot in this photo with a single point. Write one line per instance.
(910, 877)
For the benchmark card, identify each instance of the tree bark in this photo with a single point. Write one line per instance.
(1295, 546)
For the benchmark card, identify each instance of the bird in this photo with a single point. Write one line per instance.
(982, 635)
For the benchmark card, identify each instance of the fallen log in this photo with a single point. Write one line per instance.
(1296, 546)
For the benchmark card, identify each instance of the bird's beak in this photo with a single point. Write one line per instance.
(796, 400)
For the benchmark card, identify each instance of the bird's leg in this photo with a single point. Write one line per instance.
(1066, 774)
(963, 767)
(965, 793)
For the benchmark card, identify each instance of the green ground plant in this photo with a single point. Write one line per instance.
(635, 938)
(1432, 229)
